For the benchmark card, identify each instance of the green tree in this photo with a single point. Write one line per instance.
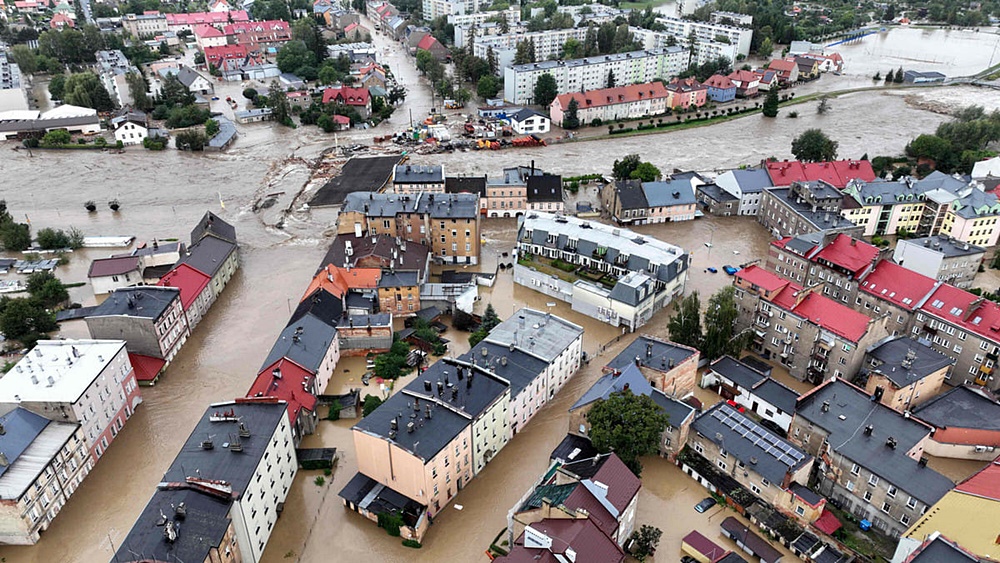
(898, 78)
(190, 140)
(278, 102)
(572, 49)
(721, 337)
(173, 92)
(525, 52)
(766, 48)
(622, 169)
(296, 58)
(86, 90)
(644, 542)
(249, 93)
(47, 288)
(489, 321)
(824, 105)
(491, 57)
(326, 123)
(685, 324)
(645, 172)
(571, 119)
(25, 58)
(546, 90)
(52, 239)
(611, 79)
(138, 89)
(488, 87)
(930, 147)
(771, 103)
(56, 138)
(57, 86)
(307, 30)
(25, 320)
(371, 403)
(814, 146)
(211, 128)
(628, 424)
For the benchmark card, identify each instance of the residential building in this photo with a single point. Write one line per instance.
(256, 115)
(146, 24)
(437, 8)
(364, 257)
(965, 421)
(44, 463)
(805, 207)
(412, 179)
(544, 192)
(700, 52)
(399, 293)
(612, 104)
(660, 269)
(216, 56)
(287, 381)
(941, 257)
(827, 63)
(548, 44)
(150, 319)
(894, 292)
(207, 36)
(747, 83)
(686, 93)
(759, 460)
(903, 373)
(871, 456)
(187, 22)
(636, 202)
(131, 128)
(706, 31)
(580, 75)
(86, 382)
(196, 295)
(755, 391)
(716, 200)
(529, 122)
(358, 98)
(787, 71)
(808, 67)
(430, 44)
(263, 36)
(194, 81)
(838, 173)
(213, 252)
(231, 477)
(112, 68)
(812, 335)
(731, 18)
(679, 415)
(669, 367)
(601, 489)
(747, 185)
(310, 341)
(447, 223)
(835, 260)
(507, 195)
(109, 274)
(561, 539)
(935, 548)
(986, 169)
(721, 88)
(13, 93)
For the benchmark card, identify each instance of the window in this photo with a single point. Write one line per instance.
(911, 503)
(765, 482)
(892, 492)
(885, 507)
(868, 496)
(723, 454)
(855, 469)
(873, 480)
(755, 489)
(850, 485)
(904, 520)
(722, 465)
(699, 448)
(799, 510)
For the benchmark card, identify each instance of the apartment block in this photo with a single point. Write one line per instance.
(670, 367)
(804, 207)
(433, 9)
(612, 104)
(150, 319)
(112, 68)
(708, 31)
(834, 260)
(548, 44)
(13, 92)
(411, 179)
(447, 223)
(941, 257)
(146, 24)
(580, 75)
(965, 421)
(702, 51)
(746, 185)
(894, 292)
(86, 382)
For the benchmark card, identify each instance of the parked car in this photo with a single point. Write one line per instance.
(730, 270)
(712, 270)
(705, 504)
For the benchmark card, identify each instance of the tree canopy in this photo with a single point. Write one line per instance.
(814, 146)
(571, 119)
(85, 89)
(721, 337)
(628, 424)
(489, 322)
(295, 57)
(685, 324)
(546, 90)
(771, 103)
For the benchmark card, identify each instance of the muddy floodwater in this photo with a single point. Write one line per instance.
(953, 52)
(163, 194)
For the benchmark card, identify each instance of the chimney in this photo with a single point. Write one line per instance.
(869, 429)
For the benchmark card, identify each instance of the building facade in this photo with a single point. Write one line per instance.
(941, 257)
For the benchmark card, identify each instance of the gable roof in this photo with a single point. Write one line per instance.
(212, 225)
(429, 42)
(147, 301)
(338, 281)
(668, 193)
(305, 342)
(836, 173)
(347, 95)
(289, 382)
(21, 427)
(103, 267)
(526, 113)
(544, 187)
(652, 353)
(826, 313)
(579, 536)
(720, 81)
(849, 254)
(208, 255)
(966, 310)
(901, 286)
(190, 281)
(610, 96)
(466, 184)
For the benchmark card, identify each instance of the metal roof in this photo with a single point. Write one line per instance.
(542, 335)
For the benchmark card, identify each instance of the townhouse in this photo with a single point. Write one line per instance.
(214, 251)
(756, 458)
(86, 382)
(644, 275)
(150, 319)
(196, 295)
(447, 223)
(747, 185)
(686, 93)
(231, 477)
(612, 104)
(108, 274)
(636, 202)
(630, 379)
(720, 88)
(965, 421)
(287, 381)
(44, 463)
(812, 335)
(357, 98)
(941, 257)
(837, 173)
(544, 192)
(187, 22)
(871, 456)
(669, 367)
(562, 539)
(507, 195)
(835, 260)
(803, 207)
(755, 391)
(309, 341)
(965, 327)
(903, 373)
(747, 83)
(146, 24)
(580, 75)
(262, 36)
(411, 179)
(366, 255)
(894, 292)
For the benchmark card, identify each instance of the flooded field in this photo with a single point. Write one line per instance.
(956, 52)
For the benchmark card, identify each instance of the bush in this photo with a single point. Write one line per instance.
(56, 138)
(320, 481)
(154, 143)
(101, 142)
(391, 522)
(52, 239)
(191, 141)
(211, 128)
(334, 412)
(596, 122)
(186, 116)
(564, 266)
(412, 543)
(250, 93)
(623, 130)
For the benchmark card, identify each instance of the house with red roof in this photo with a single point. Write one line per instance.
(187, 22)
(430, 44)
(896, 292)
(610, 104)
(747, 83)
(837, 173)
(837, 261)
(196, 296)
(207, 36)
(263, 36)
(216, 56)
(720, 88)
(812, 335)
(357, 98)
(292, 383)
(827, 63)
(686, 93)
(61, 21)
(966, 327)
(787, 71)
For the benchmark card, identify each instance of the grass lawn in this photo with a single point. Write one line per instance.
(641, 5)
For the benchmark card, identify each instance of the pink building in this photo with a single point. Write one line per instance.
(181, 22)
(610, 104)
(747, 83)
(686, 92)
(257, 35)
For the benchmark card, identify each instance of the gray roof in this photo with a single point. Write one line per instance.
(821, 190)
(940, 550)
(468, 184)
(226, 132)
(520, 368)
(306, 342)
(208, 255)
(765, 452)
(715, 193)
(439, 206)
(666, 194)
(357, 175)
(778, 394)
(414, 257)
(543, 65)
(739, 373)
(633, 288)
(573, 447)
(652, 353)
(961, 407)
(321, 304)
(148, 301)
(902, 191)
(188, 75)
(850, 411)
(631, 195)
(544, 187)
(805, 243)
(526, 113)
(419, 174)
(246, 114)
(632, 379)
(203, 528)
(213, 225)
(398, 279)
(540, 334)
(750, 180)
(820, 220)
(904, 360)
(973, 202)
(806, 494)
(946, 245)
(21, 427)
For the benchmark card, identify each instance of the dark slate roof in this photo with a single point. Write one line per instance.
(652, 353)
(398, 279)
(438, 206)
(820, 220)
(419, 174)
(905, 361)
(806, 494)
(520, 370)
(757, 447)
(212, 225)
(633, 288)
(758, 545)
(322, 305)
(961, 407)
(738, 372)
(208, 255)
(715, 193)
(413, 258)
(586, 467)
(564, 452)
(941, 551)
(778, 394)
(848, 438)
(203, 527)
(141, 301)
(752, 180)
(805, 542)
(544, 187)
(370, 494)
(429, 314)
(527, 113)
(21, 427)
(631, 195)
(731, 557)
(630, 376)
(357, 175)
(304, 342)
(466, 184)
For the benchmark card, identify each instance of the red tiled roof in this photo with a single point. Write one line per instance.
(685, 85)
(704, 546)
(781, 65)
(985, 483)
(763, 279)
(719, 81)
(837, 173)
(61, 19)
(827, 523)
(618, 95)
(147, 368)
(582, 535)
(428, 42)
(959, 307)
(826, 313)
(205, 30)
(255, 26)
(849, 253)
(622, 484)
(342, 119)
(288, 387)
(347, 95)
(583, 498)
(337, 281)
(225, 52)
(898, 285)
(350, 27)
(822, 171)
(743, 76)
(854, 170)
(190, 281)
(103, 267)
(207, 17)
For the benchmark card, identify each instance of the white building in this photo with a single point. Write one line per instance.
(548, 44)
(747, 186)
(90, 382)
(44, 462)
(13, 94)
(235, 470)
(112, 68)
(984, 169)
(738, 19)
(433, 9)
(703, 51)
(144, 25)
(592, 73)
(753, 390)
(131, 129)
(529, 122)
(703, 31)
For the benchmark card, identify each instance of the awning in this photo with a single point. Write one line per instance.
(147, 368)
(827, 523)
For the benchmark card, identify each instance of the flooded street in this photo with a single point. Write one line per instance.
(954, 52)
